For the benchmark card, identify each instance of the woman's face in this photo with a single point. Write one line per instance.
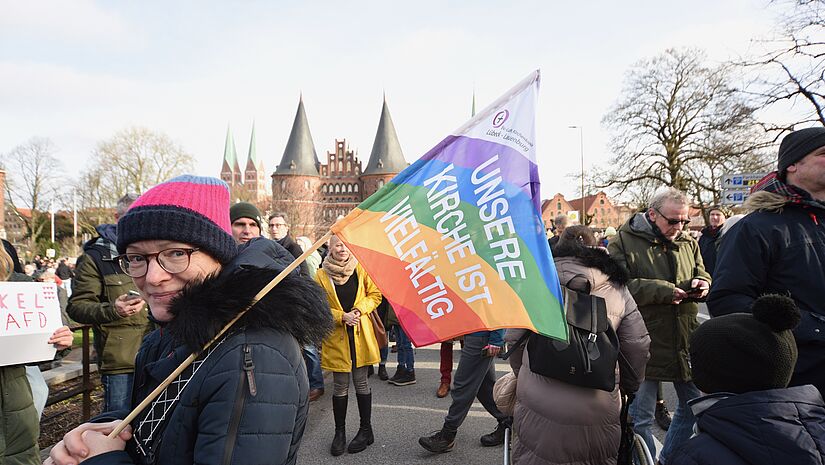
(158, 287)
(338, 249)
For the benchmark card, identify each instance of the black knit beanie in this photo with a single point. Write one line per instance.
(743, 352)
(797, 145)
(245, 210)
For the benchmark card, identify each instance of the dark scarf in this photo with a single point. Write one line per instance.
(794, 195)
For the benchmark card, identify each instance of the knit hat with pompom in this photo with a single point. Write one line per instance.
(743, 352)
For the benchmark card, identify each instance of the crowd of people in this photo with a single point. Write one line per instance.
(748, 381)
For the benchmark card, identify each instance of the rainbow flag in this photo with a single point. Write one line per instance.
(456, 241)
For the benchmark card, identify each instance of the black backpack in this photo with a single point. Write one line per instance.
(589, 357)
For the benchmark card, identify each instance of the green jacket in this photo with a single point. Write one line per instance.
(656, 266)
(19, 427)
(117, 339)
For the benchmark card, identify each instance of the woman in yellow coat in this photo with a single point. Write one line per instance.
(352, 347)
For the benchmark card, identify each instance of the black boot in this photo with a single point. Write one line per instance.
(339, 411)
(439, 442)
(364, 436)
(496, 438)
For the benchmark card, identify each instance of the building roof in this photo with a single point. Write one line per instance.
(299, 156)
(229, 154)
(386, 156)
(588, 201)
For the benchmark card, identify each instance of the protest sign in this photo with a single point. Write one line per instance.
(29, 314)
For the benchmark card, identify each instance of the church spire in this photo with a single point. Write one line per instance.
(299, 156)
(253, 151)
(386, 156)
(229, 155)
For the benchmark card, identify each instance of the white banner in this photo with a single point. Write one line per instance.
(29, 314)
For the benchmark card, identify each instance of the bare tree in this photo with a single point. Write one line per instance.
(792, 72)
(680, 123)
(133, 160)
(32, 182)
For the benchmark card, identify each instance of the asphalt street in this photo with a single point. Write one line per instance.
(403, 413)
(400, 415)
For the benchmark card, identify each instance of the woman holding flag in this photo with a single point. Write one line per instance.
(244, 399)
(352, 347)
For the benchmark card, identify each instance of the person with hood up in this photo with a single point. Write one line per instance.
(244, 399)
(743, 362)
(559, 423)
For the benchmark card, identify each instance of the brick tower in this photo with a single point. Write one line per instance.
(230, 170)
(255, 176)
(296, 182)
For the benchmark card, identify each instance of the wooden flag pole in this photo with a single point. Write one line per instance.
(260, 295)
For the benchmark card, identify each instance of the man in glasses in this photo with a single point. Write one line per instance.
(100, 297)
(779, 248)
(667, 277)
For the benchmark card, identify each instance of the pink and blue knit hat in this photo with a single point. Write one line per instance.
(187, 208)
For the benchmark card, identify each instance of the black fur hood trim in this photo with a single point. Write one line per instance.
(297, 305)
(594, 257)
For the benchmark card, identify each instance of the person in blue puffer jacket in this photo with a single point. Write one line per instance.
(744, 363)
(245, 399)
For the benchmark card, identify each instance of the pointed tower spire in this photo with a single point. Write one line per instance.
(473, 111)
(253, 152)
(386, 156)
(299, 156)
(229, 155)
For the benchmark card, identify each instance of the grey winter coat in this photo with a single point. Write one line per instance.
(558, 423)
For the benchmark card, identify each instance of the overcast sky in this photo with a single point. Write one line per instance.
(78, 71)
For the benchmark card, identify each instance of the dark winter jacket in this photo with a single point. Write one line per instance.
(779, 248)
(98, 282)
(708, 246)
(656, 266)
(290, 245)
(775, 427)
(247, 403)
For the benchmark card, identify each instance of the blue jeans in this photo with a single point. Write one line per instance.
(406, 357)
(681, 429)
(313, 363)
(117, 392)
(384, 352)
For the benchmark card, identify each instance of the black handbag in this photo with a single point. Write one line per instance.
(589, 357)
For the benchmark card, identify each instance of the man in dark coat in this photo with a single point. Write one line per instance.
(710, 236)
(279, 232)
(780, 248)
(750, 417)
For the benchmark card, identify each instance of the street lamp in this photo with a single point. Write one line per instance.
(581, 147)
(51, 212)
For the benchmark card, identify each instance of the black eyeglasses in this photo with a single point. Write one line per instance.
(672, 222)
(175, 260)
